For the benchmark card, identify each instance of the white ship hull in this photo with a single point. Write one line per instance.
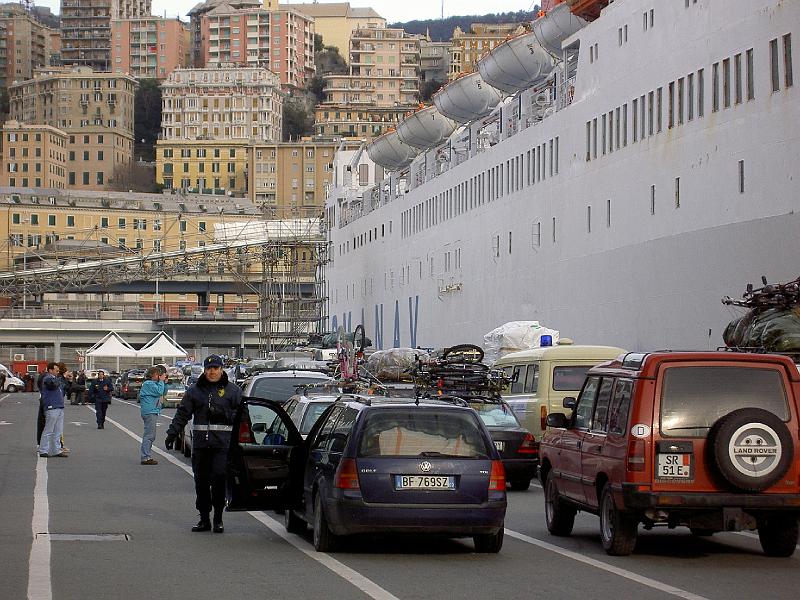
(697, 210)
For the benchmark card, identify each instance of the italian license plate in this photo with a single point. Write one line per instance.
(674, 466)
(500, 446)
(424, 482)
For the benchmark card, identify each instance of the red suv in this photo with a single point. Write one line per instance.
(706, 440)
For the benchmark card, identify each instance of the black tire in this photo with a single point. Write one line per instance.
(617, 530)
(11, 389)
(558, 515)
(696, 531)
(468, 353)
(751, 428)
(778, 534)
(293, 523)
(489, 543)
(520, 484)
(324, 539)
(359, 338)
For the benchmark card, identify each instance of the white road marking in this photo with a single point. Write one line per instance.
(369, 587)
(651, 583)
(6, 396)
(5, 423)
(39, 583)
(78, 423)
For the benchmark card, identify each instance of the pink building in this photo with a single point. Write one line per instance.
(148, 47)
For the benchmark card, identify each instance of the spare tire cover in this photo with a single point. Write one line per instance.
(752, 448)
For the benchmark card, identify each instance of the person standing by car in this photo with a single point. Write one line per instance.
(53, 406)
(212, 403)
(2, 380)
(150, 405)
(100, 392)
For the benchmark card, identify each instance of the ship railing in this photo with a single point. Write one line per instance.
(567, 93)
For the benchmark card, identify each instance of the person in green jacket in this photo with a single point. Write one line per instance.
(150, 405)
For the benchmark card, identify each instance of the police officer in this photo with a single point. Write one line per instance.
(213, 402)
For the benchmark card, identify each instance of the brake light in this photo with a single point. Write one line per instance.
(124, 388)
(636, 455)
(528, 445)
(245, 436)
(497, 478)
(543, 416)
(346, 475)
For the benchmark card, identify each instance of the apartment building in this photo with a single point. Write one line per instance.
(203, 166)
(466, 48)
(86, 29)
(95, 110)
(149, 47)
(336, 21)
(33, 156)
(279, 40)
(434, 60)
(25, 44)
(197, 40)
(357, 121)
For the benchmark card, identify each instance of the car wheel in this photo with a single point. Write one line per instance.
(520, 484)
(324, 539)
(11, 388)
(293, 523)
(559, 516)
(778, 534)
(617, 529)
(489, 543)
(736, 437)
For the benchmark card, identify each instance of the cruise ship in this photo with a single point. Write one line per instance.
(612, 173)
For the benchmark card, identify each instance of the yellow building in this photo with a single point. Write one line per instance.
(33, 156)
(466, 48)
(203, 166)
(336, 21)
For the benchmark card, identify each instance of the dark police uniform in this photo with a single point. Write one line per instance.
(213, 407)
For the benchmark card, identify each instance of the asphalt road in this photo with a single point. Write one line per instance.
(109, 527)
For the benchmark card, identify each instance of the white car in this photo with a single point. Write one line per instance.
(305, 410)
(13, 384)
(279, 386)
(174, 395)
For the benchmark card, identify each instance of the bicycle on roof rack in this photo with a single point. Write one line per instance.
(349, 352)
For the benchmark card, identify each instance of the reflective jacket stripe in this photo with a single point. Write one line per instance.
(212, 427)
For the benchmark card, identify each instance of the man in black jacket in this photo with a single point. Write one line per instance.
(212, 403)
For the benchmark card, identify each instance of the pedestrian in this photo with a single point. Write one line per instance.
(40, 419)
(53, 404)
(100, 392)
(212, 404)
(150, 406)
(2, 380)
(66, 385)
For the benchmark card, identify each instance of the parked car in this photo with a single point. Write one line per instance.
(304, 410)
(130, 384)
(706, 440)
(174, 393)
(516, 445)
(372, 465)
(279, 386)
(13, 384)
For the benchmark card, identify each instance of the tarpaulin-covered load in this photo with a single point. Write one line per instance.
(774, 330)
(328, 340)
(515, 336)
(394, 364)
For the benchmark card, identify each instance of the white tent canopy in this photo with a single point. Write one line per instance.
(111, 345)
(162, 345)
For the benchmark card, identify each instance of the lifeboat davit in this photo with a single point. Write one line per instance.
(516, 64)
(555, 26)
(425, 128)
(390, 152)
(467, 98)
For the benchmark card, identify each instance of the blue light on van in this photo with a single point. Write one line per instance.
(545, 341)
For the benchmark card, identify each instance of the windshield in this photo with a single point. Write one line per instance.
(495, 414)
(569, 379)
(313, 411)
(422, 432)
(279, 389)
(694, 398)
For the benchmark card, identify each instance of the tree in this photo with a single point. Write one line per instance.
(4, 103)
(147, 113)
(428, 88)
(298, 120)
(136, 176)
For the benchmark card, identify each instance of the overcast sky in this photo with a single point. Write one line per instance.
(392, 10)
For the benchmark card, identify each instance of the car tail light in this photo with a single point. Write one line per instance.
(245, 435)
(543, 416)
(497, 478)
(346, 475)
(636, 455)
(528, 445)
(124, 388)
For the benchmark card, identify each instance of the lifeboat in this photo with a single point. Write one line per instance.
(467, 98)
(556, 26)
(425, 128)
(516, 64)
(390, 152)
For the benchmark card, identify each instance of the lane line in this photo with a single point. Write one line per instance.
(39, 577)
(651, 583)
(4, 397)
(369, 587)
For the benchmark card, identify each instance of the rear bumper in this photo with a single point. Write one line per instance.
(348, 516)
(635, 499)
(520, 468)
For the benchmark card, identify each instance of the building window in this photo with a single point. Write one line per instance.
(652, 199)
(788, 76)
(16, 219)
(34, 219)
(677, 192)
(51, 220)
(70, 220)
(715, 87)
(741, 177)
(751, 90)
(121, 223)
(104, 222)
(774, 69)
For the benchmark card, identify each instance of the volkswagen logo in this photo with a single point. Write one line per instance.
(425, 466)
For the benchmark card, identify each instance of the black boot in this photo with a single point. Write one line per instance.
(218, 527)
(203, 524)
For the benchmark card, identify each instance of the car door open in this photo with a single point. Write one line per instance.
(265, 457)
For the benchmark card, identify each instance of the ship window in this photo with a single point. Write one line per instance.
(536, 234)
(528, 169)
(608, 213)
(554, 230)
(715, 87)
(652, 199)
(610, 133)
(751, 91)
(543, 155)
(625, 34)
(619, 35)
(617, 118)
(741, 177)
(773, 59)
(652, 17)
(594, 138)
(556, 155)
(726, 83)
(644, 21)
(551, 158)
(650, 108)
(624, 125)
(635, 119)
(603, 146)
(737, 79)
(681, 89)
(588, 219)
(641, 116)
(677, 192)
(701, 90)
(588, 142)
(788, 75)
(671, 105)
(690, 97)
(509, 242)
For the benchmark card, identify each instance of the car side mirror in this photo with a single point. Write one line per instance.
(557, 420)
(259, 427)
(569, 402)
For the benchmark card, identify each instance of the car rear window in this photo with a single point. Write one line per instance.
(495, 414)
(569, 379)
(279, 389)
(422, 432)
(694, 398)
(313, 411)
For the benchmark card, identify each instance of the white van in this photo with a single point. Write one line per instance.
(545, 376)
